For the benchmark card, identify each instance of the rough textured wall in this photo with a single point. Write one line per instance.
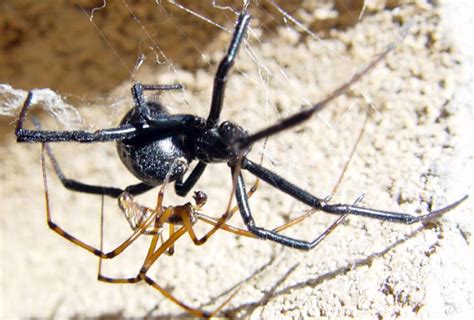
(53, 44)
(411, 158)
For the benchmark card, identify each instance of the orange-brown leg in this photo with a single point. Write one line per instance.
(225, 226)
(158, 216)
(163, 218)
(100, 276)
(155, 254)
(195, 312)
(170, 250)
(151, 258)
(151, 252)
(217, 223)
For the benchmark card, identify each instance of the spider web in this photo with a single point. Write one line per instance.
(286, 63)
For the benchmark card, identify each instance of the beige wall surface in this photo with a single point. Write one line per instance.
(414, 155)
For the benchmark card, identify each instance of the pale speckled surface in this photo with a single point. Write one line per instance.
(412, 152)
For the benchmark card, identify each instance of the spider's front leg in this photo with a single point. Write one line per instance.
(316, 203)
(26, 135)
(225, 65)
(242, 201)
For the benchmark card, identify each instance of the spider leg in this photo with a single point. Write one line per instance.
(390, 216)
(182, 188)
(78, 186)
(305, 197)
(217, 223)
(162, 87)
(325, 233)
(224, 68)
(163, 217)
(123, 132)
(158, 217)
(170, 250)
(340, 219)
(226, 227)
(151, 258)
(305, 114)
(56, 228)
(139, 98)
(262, 233)
(195, 312)
(112, 134)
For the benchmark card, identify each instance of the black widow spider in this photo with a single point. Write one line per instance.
(156, 146)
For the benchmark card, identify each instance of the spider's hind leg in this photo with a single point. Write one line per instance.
(78, 186)
(63, 233)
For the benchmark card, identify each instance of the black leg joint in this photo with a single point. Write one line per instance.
(182, 188)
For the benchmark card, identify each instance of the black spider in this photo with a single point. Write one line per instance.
(156, 146)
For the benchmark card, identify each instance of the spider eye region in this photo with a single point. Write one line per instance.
(217, 144)
(231, 132)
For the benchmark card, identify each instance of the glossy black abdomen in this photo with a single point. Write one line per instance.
(154, 157)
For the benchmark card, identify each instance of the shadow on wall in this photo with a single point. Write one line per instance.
(46, 44)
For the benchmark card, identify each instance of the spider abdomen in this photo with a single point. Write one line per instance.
(159, 156)
(155, 161)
